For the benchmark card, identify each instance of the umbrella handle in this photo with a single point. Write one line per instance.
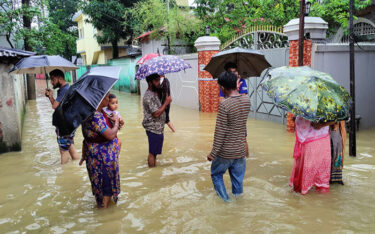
(46, 77)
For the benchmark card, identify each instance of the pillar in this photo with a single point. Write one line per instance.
(293, 62)
(31, 90)
(315, 30)
(208, 87)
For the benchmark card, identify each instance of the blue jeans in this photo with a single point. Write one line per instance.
(236, 167)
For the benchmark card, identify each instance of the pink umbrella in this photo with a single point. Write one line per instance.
(146, 57)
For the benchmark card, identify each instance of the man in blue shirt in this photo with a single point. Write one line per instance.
(66, 143)
(232, 67)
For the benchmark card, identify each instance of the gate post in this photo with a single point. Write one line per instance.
(315, 30)
(208, 87)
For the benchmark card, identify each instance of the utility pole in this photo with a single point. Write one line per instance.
(352, 130)
(168, 38)
(301, 31)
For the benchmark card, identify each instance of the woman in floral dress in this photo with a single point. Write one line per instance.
(100, 150)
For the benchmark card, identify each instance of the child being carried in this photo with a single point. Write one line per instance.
(111, 110)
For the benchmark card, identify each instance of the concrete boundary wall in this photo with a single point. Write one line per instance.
(334, 59)
(184, 84)
(12, 109)
(330, 58)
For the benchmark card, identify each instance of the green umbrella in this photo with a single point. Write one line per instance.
(308, 93)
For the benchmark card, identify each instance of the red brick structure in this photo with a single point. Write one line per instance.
(293, 53)
(293, 62)
(208, 87)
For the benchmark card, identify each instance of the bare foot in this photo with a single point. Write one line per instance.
(170, 125)
(151, 160)
(106, 200)
(322, 190)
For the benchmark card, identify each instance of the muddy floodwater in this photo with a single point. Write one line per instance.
(38, 195)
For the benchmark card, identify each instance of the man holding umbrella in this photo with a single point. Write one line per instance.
(66, 143)
(241, 83)
(55, 66)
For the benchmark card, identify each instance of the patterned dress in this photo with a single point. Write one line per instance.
(101, 158)
(338, 137)
(312, 158)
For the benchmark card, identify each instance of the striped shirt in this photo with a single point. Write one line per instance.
(230, 130)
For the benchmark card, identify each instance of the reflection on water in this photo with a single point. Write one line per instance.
(40, 195)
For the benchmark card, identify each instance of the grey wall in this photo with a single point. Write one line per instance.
(277, 57)
(334, 59)
(12, 109)
(178, 47)
(184, 84)
(152, 46)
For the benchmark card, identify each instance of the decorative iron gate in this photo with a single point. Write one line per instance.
(364, 31)
(258, 38)
(274, 44)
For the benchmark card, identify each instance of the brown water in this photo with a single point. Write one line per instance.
(38, 195)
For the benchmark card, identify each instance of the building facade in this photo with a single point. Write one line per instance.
(87, 46)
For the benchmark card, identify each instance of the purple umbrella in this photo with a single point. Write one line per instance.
(161, 65)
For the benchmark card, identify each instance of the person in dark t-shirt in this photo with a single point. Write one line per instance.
(66, 143)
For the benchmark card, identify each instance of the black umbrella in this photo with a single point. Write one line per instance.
(42, 64)
(84, 97)
(249, 62)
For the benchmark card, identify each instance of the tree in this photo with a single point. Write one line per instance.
(107, 16)
(16, 21)
(61, 13)
(62, 27)
(228, 17)
(26, 23)
(170, 22)
(336, 12)
(55, 39)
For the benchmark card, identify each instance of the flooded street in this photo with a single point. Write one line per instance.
(38, 195)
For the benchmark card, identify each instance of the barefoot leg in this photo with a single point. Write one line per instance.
(73, 152)
(170, 125)
(106, 200)
(151, 160)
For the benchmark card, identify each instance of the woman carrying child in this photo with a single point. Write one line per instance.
(100, 150)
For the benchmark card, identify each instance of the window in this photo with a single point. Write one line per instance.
(80, 33)
(84, 60)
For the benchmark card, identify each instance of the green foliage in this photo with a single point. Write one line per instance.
(173, 23)
(228, 17)
(60, 32)
(107, 16)
(336, 12)
(147, 15)
(54, 35)
(10, 23)
(56, 41)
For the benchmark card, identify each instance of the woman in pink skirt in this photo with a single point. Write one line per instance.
(312, 157)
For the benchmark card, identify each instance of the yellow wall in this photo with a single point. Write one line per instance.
(88, 47)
